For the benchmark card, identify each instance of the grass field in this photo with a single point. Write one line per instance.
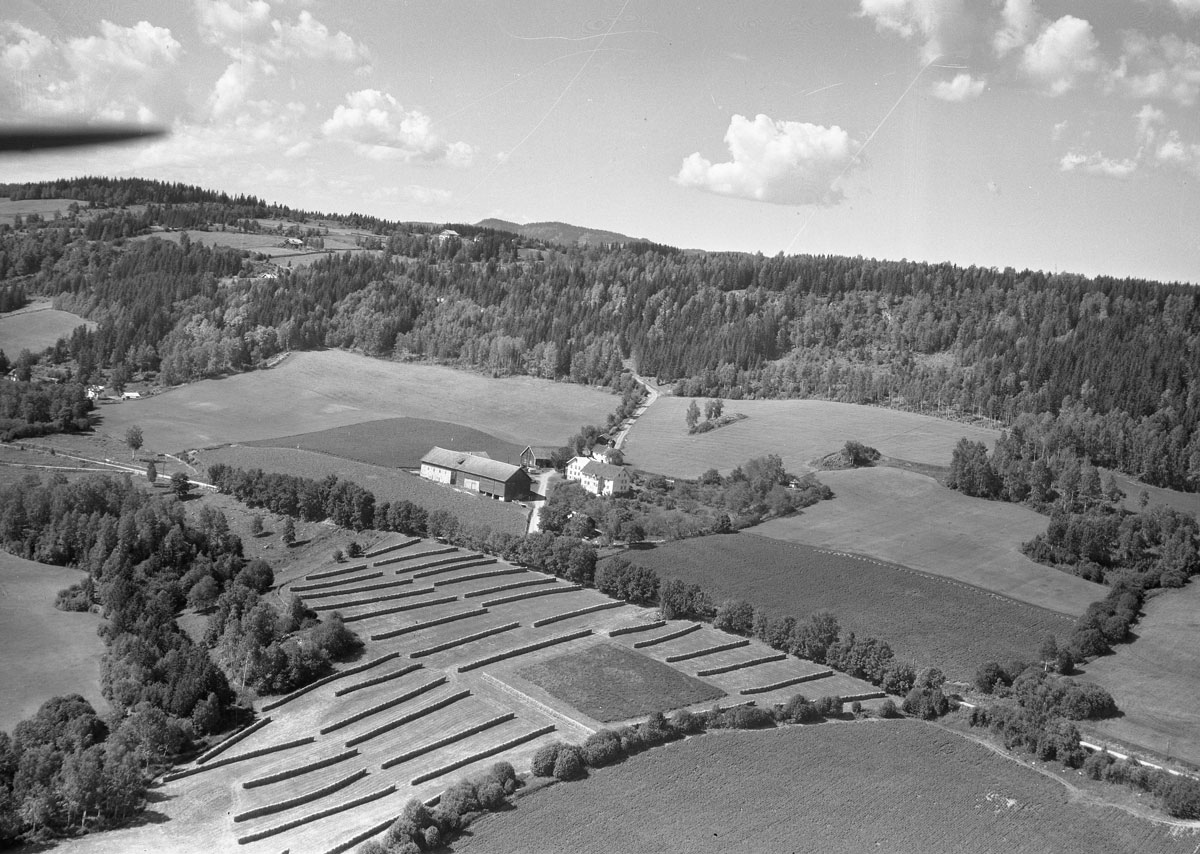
(611, 683)
(36, 327)
(45, 207)
(1156, 679)
(910, 519)
(338, 241)
(928, 620)
(800, 431)
(44, 652)
(896, 786)
(398, 442)
(313, 391)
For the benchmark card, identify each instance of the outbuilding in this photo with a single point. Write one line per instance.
(502, 481)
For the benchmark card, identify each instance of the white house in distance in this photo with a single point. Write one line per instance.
(598, 478)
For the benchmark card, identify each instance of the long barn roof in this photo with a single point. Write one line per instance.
(471, 464)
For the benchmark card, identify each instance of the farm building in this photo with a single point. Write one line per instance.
(475, 472)
(606, 454)
(598, 478)
(537, 458)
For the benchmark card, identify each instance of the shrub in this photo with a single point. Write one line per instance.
(332, 637)
(505, 775)
(828, 707)
(1181, 799)
(887, 709)
(1097, 764)
(856, 708)
(491, 795)
(256, 575)
(602, 748)
(685, 722)
(735, 616)
(543, 759)
(73, 598)
(988, 675)
(750, 717)
(569, 764)
(456, 806)
(373, 846)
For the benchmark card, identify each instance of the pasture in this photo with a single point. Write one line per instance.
(910, 519)
(339, 240)
(36, 327)
(1156, 679)
(843, 787)
(45, 652)
(398, 442)
(46, 208)
(318, 390)
(926, 619)
(799, 431)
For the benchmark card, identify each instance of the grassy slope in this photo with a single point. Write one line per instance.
(798, 430)
(876, 786)
(1156, 680)
(45, 652)
(313, 391)
(36, 327)
(928, 620)
(910, 519)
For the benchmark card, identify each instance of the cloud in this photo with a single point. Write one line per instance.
(963, 87)
(1157, 146)
(1166, 68)
(308, 38)
(1060, 128)
(789, 163)
(377, 126)
(1098, 164)
(1019, 21)
(1065, 51)
(223, 23)
(943, 26)
(1187, 7)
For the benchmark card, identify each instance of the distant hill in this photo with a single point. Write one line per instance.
(562, 233)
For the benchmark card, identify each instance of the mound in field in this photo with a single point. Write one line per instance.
(927, 620)
(398, 442)
(798, 430)
(45, 652)
(838, 788)
(36, 327)
(611, 683)
(910, 519)
(317, 390)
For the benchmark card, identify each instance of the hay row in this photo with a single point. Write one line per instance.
(641, 627)
(868, 695)
(522, 650)
(366, 588)
(289, 773)
(386, 549)
(316, 816)
(480, 561)
(361, 836)
(465, 639)
(415, 555)
(376, 680)
(512, 585)
(483, 754)
(517, 597)
(240, 757)
(429, 564)
(222, 746)
(784, 683)
(427, 624)
(708, 650)
(299, 800)
(325, 680)
(475, 576)
(669, 636)
(337, 582)
(408, 718)
(331, 573)
(371, 600)
(742, 665)
(578, 612)
(446, 740)
(384, 706)
(396, 609)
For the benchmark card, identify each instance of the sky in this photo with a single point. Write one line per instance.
(1062, 136)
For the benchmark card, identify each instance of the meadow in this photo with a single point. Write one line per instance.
(36, 327)
(338, 240)
(318, 390)
(836, 787)
(928, 620)
(45, 652)
(1156, 679)
(910, 519)
(799, 431)
(43, 207)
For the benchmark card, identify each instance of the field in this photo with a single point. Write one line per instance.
(45, 652)
(871, 786)
(1156, 680)
(800, 431)
(313, 391)
(36, 327)
(398, 442)
(44, 207)
(910, 519)
(611, 683)
(927, 620)
(339, 240)
(388, 484)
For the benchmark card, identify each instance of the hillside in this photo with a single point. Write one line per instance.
(561, 233)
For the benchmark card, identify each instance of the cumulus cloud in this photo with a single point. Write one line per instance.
(1098, 164)
(1187, 7)
(224, 23)
(377, 126)
(1165, 68)
(1065, 51)
(1019, 20)
(1157, 146)
(963, 87)
(943, 26)
(787, 163)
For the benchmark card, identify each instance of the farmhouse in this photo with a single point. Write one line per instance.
(606, 454)
(537, 458)
(598, 478)
(475, 472)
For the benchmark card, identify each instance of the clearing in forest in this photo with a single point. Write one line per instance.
(36, 327)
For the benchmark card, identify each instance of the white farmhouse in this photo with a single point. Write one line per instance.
(598, 478)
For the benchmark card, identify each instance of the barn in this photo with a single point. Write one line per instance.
(476, 473)
(537, 457)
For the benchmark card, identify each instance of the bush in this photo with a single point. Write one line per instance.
(1097, 764)
(569, 764)
(887, 709)
(505, 775)
(800, 711)
(735, 616)
(333, 638)
(456, 806)
(602, 748)
(750, 717)
(685, 722)
(1181, 799)
(828, 707)
(856, 708)
(73, 598)
(544, 758)
(256, 575)
(491, 795)
(373, 846)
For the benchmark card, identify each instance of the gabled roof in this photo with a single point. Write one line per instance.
(540, 450)
(470, 464)
(595, 468)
